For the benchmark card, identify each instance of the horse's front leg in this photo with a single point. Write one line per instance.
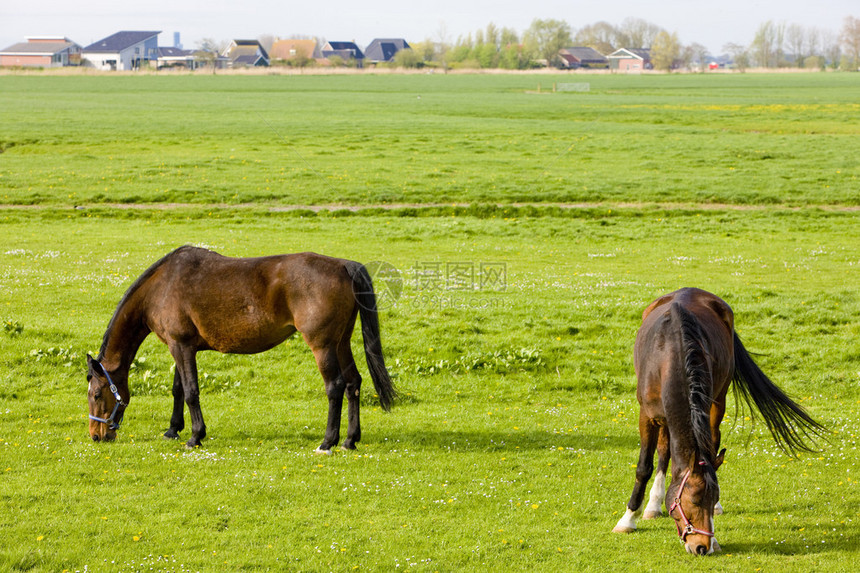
(654, 508)
(186, 365)
(647, 444)
(335, 385)
(718, 411)
(177, 419)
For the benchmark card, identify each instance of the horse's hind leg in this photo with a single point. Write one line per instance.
(648, 443)
(654, 508)
(328, 365)
(352, 378)
(177, 420)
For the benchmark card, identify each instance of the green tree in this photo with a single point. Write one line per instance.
(665, 50)
(767, 46)
(546, 38)
(407, 58)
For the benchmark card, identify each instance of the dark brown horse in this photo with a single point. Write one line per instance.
(194, 299)
(686, 356)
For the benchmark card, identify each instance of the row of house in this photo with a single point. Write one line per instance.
(132, 50)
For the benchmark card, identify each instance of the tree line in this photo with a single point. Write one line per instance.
(774, 45)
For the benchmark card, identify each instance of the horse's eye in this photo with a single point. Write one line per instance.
(98, 395)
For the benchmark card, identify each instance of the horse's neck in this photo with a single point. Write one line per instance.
(127, 332)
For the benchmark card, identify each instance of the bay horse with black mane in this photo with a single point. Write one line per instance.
(686, 356)
(194, 299)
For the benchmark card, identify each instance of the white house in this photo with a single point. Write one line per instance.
(123, 51)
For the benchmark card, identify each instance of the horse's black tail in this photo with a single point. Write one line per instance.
(700, 381)
(789, 424)
(362, 288)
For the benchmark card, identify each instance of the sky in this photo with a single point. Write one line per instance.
(712, 24)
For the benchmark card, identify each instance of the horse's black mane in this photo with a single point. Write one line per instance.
(131, 290)
(700, 387)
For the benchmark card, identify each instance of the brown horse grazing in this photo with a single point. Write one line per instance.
(686, 356)
(194, 299)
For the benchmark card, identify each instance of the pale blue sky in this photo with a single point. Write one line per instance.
(712, 24)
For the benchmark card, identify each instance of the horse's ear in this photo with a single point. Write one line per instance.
(94, 366)
(720, 457)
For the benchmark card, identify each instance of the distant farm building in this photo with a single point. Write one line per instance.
(246, 53)
(293, 50)
(126, 50)
(629, 60)
(346, 51)
(169, 57)
(382, 50)
(582, 57)
(42, 52)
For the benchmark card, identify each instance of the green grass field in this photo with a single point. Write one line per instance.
(360, 140)
(514, 442)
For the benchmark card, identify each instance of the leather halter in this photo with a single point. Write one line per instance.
(112, 423)
(688, 527)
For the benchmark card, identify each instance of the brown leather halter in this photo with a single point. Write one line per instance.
(688, 527)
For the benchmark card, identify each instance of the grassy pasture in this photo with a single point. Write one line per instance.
(514, 442)
(744, 139)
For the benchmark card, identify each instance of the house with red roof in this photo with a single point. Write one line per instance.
(42, 52)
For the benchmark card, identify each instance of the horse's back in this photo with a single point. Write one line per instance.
(658, 348)
(245, 305)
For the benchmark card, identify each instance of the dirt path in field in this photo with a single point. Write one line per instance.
(394, 206)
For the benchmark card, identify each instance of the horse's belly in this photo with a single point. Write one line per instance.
(245, 333)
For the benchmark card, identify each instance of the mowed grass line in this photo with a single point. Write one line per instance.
(514, 443)
(367, 140)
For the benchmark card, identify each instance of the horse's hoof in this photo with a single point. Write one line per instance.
(171, 435)
(623, 529)
(192, 443)
(321, 452)
(718, 509)
(715, 547)
(652, 514)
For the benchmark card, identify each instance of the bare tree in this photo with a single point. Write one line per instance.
(832, 50)
(208, 51)
(850, 37)
(796, 42)
(740, 56)
(601, 36)
(699, 54)
(639, 33)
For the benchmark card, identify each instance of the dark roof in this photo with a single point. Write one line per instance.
(38, 47)
(383, 49)
(342, 47)
(250, 60)
(585, 54)
(171, 52)
(120, 41)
